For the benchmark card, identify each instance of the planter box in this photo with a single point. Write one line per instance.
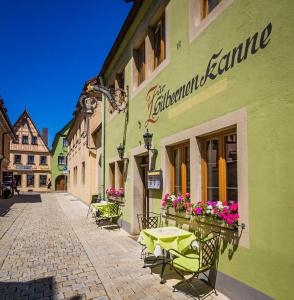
(214, 222)
(171, 212)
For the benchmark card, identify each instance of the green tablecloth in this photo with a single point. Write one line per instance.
(166, 238)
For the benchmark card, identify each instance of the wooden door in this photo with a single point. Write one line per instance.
(144, 170)
(60, 183)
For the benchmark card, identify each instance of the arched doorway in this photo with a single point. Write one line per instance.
(60, 183)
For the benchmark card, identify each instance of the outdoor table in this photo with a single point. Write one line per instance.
(101, 206)
(160, 240)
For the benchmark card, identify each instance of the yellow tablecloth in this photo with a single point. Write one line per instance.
(102, 206)
(166, 238)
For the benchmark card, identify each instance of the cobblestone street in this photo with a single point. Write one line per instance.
(50, 250)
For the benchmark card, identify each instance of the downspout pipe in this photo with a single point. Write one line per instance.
(103, 138)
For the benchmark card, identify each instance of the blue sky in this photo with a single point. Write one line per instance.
(48, 49)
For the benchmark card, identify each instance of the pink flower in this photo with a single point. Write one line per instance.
(166, 196)
(163, 203)
(230, 221)
(234, 207)
(225, 210)
(199, 210)
(215, 210)
(187, 195)
(223, 215)
(235, 216)
(174, 203)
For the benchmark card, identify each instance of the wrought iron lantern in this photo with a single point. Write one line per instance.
(121, 150)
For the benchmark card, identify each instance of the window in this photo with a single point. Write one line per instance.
(219, 167)
(83, 172)
(64, 142)
(34, 140)
(158, 44)
(17, 158)
(139, 58)
(112, 175)
(31, 159)
(75, 175)
(120, 165)
(180, 169)
(43, 180)
(17, 139)
(202, 13)
(25, 139)
(207, 6)
(43, 160)
(120, 80)
(61, 160)
(30, 180)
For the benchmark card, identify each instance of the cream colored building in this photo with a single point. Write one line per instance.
(84, 155)
(30, 159)
(6, 135)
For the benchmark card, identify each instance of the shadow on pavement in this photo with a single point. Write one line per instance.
(5, 204)
(43, 288)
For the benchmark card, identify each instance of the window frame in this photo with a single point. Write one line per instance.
(197, 24)
(162, 46)
(141, 48)
(83, 172)
(17, 155)
(41, 163)
(22, 139)
(58, 160)
(222, 171)
(121, 168)
(42, 185)
(182, 148)
(36, 141)
(33, 162)
(32, 176)
(112, 175)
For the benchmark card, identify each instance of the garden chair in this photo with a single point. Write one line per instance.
(199, 259)
(109, 214)
(153, 220)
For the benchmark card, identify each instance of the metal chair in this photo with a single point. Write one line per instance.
(200, 259)
(153, 220)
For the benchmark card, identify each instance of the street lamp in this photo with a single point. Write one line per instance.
(147, 136)
(121, 150)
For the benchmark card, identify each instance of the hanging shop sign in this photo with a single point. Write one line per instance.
(159, 97)
(154, 179)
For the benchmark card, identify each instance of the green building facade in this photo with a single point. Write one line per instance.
(59, 160)
(213, 84)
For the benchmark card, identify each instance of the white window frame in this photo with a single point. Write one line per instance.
(196, 25)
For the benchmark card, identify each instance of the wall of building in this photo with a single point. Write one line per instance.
(81, 150)
(56, 169)
(25, 126)
(255, 95)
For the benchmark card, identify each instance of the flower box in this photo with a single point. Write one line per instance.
(205, 220)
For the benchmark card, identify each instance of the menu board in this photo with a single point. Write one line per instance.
(155, 179)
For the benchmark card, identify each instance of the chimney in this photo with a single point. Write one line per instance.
(45, 135)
